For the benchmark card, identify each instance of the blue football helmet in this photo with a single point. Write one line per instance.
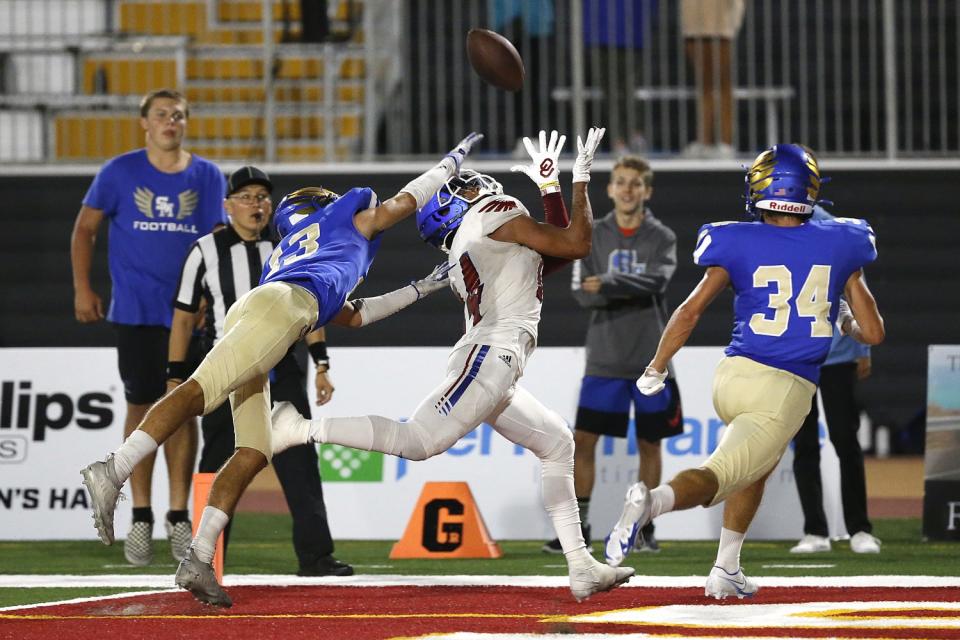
(444, 212)
(298, 204)
(783, 179)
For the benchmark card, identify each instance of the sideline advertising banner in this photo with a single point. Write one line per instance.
(369, 495)
(62, 408)
(941, 485)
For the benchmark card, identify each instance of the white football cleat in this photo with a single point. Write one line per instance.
(100, 479)
(863, 542)
(593, 577)
(635, 516)
(810, 543)
(199, 579)
(721, 584)
(288, 428)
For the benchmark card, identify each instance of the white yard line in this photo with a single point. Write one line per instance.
(82, 600)
(166, 581)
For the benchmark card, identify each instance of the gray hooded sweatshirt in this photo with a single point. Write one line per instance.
(630, 311)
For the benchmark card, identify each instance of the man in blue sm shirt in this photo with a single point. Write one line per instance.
(158, 200)
(328, 245)
(787, 275)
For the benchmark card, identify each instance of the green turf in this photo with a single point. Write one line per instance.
(261, 544)
(14, 597)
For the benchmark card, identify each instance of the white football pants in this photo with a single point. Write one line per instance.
(480, 386)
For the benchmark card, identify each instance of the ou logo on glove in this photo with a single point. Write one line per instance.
(546, 167)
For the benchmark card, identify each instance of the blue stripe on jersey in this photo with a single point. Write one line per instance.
(448, 400)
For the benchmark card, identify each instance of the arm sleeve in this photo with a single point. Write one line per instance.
(377, 308)
(653, 282)
(190, 286)
(555, 213)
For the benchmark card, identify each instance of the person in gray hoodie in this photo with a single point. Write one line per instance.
(623, 282)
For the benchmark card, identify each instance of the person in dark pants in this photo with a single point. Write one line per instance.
(220, 268)
(156, 201)
(847, 362)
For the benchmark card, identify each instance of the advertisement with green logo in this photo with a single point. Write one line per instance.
(343, 464)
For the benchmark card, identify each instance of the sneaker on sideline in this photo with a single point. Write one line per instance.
(138, 547)
(554, 545)
(325, 566)
(180, 535)
(810, 543)
(721, 584)
(696, 151)
(721, 151)
(863, 542)
(647, 541)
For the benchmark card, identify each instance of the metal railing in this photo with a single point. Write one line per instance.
(850, 78)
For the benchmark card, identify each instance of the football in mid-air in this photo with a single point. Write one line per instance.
(495, 59)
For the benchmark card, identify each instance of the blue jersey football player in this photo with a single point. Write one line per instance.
(787, 274)
(328, 245)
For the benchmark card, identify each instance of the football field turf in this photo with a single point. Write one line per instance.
(261, 545)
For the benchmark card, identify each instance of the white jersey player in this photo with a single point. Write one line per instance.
(500, 283)
(497, 256)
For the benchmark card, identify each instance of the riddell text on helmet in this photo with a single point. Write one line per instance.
(787, 207)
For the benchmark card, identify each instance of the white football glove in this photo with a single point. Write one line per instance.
(585, 151)
(459, 152)
(844, 315)
(544, 169)
(651, 382)
(438, 279)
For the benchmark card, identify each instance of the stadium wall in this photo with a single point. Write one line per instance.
(913, 211)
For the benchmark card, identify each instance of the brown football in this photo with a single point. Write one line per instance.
(495, 59)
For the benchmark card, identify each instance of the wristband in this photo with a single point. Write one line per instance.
(178, 370)
(550, 187)
(318, 351)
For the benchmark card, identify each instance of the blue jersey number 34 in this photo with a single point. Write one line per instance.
(811, 302)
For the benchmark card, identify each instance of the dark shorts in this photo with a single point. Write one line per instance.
(604, 409)
(142, 358)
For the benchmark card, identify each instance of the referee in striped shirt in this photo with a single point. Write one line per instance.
(220, 267)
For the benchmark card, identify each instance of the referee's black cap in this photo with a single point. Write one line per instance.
(247, 175)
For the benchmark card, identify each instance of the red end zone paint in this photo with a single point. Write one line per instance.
(361, 613)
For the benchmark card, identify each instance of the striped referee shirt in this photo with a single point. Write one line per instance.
(221, 266)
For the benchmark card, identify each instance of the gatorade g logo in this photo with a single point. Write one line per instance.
(339, 463)
(442, 535)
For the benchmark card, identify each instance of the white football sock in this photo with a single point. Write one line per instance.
(135, 448)
(408, 440)
(562, 507)
(212, 523)
(662, 500)
(728, 555)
